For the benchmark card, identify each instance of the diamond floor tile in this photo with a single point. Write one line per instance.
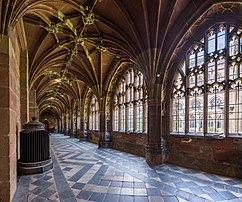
(82, 172)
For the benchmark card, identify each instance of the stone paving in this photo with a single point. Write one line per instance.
(82, 172)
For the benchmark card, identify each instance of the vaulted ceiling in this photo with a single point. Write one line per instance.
(74, 45)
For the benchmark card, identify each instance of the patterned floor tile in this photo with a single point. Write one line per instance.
(82, 172)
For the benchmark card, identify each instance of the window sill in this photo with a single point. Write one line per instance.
(208, 135)
(130, 132)
(235, 135)
(200, 135)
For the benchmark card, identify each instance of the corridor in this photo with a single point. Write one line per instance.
(82, 172)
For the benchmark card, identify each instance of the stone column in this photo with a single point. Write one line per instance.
(61, 124)
(64, 123)
(75, 121)
(82, 119)
(9, 110)
(67, 123)
(58, 125)
(33, 108)
(70, 122)
(83, 132)
(154, 149)
(102, 135)
(24, 87)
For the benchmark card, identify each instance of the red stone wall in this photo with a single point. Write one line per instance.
(219, 156)
(129, 142)
(93, 136)
(10, 114)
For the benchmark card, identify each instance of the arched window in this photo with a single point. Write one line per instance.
(130, 105)
(94, 114)
(207, 90)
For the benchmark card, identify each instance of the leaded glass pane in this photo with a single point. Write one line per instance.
(94, 114)
(211, 42)
(233, 71)
(233, 46)
(241, 44)
(196, 113)
(192, 81)
(122, 118)
(240, 70)
(235, 106)
(221, 38)
(200, 57)
(192, 60)
(216, 113)
(90, 122)
(211, 72)
(131, 117)
(200, 79)
(139, 115)
(220, 69)
(178, 115)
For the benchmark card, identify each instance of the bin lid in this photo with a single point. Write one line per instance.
(34, 125)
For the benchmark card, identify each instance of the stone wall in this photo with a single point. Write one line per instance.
(129, 142)
(132, 143)
(219, 156)
(33, 108)
(10, 123)
(93, 136)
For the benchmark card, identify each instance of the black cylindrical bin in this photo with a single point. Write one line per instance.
(34, 149)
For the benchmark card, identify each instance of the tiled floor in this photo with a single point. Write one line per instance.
(84, 173)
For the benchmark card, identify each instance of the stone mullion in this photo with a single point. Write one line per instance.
(205, 97)
(226, 93)
(70, 121)
(186, 85)
(126, 104)
(67, 123)
(119, 115)
(144, 108)
(61, 124)
(135, 103)
(74, 121)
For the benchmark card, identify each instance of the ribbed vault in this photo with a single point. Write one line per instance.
(74, 45)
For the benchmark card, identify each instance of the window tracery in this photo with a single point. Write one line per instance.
(207, 90)
(129, 112)
(94, 114)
